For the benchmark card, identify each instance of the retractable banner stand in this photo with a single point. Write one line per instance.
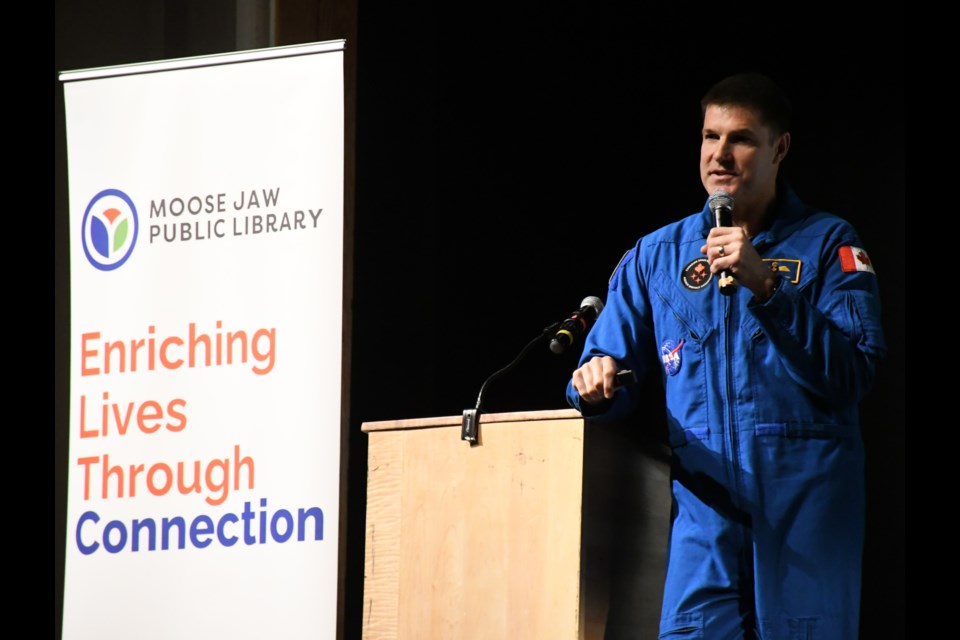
(206, 242)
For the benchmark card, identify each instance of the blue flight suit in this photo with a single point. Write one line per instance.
(762, 407)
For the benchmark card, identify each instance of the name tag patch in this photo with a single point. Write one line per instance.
(786, 268)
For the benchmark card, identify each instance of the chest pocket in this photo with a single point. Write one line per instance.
(678, 311)
(750, 328)
(683, 338)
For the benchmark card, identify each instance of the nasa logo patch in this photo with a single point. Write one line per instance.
(670, 356)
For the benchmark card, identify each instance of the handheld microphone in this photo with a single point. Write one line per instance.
(721, 204)
(577, 325)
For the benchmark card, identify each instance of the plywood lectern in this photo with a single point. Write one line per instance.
(551, 527)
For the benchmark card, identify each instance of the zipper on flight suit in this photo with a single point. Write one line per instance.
(730, 398)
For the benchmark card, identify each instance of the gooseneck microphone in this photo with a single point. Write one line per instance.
(563, 335)
(577, 325)
(721, 204)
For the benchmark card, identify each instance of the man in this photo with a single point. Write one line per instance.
(762, 386)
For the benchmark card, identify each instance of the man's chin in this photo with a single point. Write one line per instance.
(730, 185)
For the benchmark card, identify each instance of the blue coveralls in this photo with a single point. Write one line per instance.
(762, 408)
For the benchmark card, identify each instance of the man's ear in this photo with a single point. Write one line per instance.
(782, 147)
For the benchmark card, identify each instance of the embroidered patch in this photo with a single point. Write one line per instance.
(670, 355)
(696, 275)
(853, 259)
(786, 268)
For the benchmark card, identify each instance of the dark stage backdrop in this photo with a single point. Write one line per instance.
(505, 160)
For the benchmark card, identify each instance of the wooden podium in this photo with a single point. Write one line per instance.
(551, 527)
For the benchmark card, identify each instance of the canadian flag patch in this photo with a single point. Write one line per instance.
(853, 259)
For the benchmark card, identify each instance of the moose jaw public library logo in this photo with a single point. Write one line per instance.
(109, 231)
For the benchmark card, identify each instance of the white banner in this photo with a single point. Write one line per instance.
(206, 230)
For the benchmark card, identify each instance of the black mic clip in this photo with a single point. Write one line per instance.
(625, 377)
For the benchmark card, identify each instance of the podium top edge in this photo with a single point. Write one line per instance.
(204, 61)
(456, 421)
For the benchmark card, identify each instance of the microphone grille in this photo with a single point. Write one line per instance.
(592, 301)
(720, 199)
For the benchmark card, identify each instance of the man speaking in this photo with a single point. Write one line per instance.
(766, 331)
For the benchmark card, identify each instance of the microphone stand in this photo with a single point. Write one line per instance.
(470, 429)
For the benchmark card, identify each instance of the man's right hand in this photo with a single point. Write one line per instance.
(595, 381)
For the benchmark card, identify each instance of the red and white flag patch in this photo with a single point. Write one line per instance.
(853, 259)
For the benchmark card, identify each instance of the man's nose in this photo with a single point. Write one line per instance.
(723, 149)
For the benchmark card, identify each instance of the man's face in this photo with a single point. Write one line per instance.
(739, 155)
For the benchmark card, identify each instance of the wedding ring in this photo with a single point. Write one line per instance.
(721, 251)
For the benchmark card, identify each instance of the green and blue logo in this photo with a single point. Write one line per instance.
(110, 227)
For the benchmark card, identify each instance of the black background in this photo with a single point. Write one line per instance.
(507, 157)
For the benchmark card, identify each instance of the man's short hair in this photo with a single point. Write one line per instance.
(756, 92)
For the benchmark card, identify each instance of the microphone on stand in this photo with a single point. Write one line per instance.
(563, 335)
(577, 324)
